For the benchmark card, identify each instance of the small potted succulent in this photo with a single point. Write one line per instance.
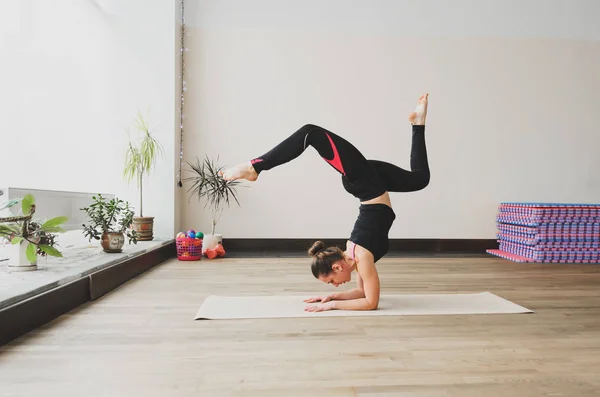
(110, 221)
(29, 238)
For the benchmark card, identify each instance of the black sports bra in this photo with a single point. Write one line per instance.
(372, 227)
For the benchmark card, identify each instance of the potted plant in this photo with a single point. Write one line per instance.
(206, 183)
(109, 222)
(140, 158)
(29, 238)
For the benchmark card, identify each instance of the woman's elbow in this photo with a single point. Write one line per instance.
(373, 305)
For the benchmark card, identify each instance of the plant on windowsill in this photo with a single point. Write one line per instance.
(140, 158)
(207, 184)
(29, 238)
(109, 222)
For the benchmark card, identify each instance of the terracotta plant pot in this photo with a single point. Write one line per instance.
(112, 242)
(144, 225)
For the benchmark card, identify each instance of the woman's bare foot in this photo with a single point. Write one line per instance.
(240, 171)
(418, 116)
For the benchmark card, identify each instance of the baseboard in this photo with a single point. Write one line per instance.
(301, 245)
(25, 316)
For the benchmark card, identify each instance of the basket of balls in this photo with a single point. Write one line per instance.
(189, 245)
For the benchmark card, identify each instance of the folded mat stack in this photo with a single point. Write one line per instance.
(548, 232)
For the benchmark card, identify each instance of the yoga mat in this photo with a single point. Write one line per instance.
(245, 307)
(548, 232)
(523, 259)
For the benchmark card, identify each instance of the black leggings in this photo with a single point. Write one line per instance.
(374, 176)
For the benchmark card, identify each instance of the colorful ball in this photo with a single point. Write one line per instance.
(181, 235)
(191, 234)
(199, 235)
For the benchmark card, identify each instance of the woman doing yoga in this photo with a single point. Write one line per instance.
(369, 181)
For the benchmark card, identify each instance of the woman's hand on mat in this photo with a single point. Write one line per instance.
(322, 299)
(320, 307)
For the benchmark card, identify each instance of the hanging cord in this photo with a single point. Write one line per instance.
(183, 89)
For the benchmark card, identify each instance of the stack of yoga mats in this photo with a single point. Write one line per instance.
(548, 232)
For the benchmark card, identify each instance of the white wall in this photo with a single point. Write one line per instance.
(512, 114)
(513, 95)
(73, 75)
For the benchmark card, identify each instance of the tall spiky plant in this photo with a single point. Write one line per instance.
(141, 156)
(206, 183)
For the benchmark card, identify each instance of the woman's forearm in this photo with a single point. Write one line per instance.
(354, 304)
(348, 295)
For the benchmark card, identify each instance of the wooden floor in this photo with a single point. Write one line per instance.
(141, 340)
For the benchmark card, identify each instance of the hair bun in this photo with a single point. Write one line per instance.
(316, 247)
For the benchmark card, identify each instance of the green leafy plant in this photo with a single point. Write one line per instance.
(40, 237)
(206, 183)
(112, 216)
(141, 155)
